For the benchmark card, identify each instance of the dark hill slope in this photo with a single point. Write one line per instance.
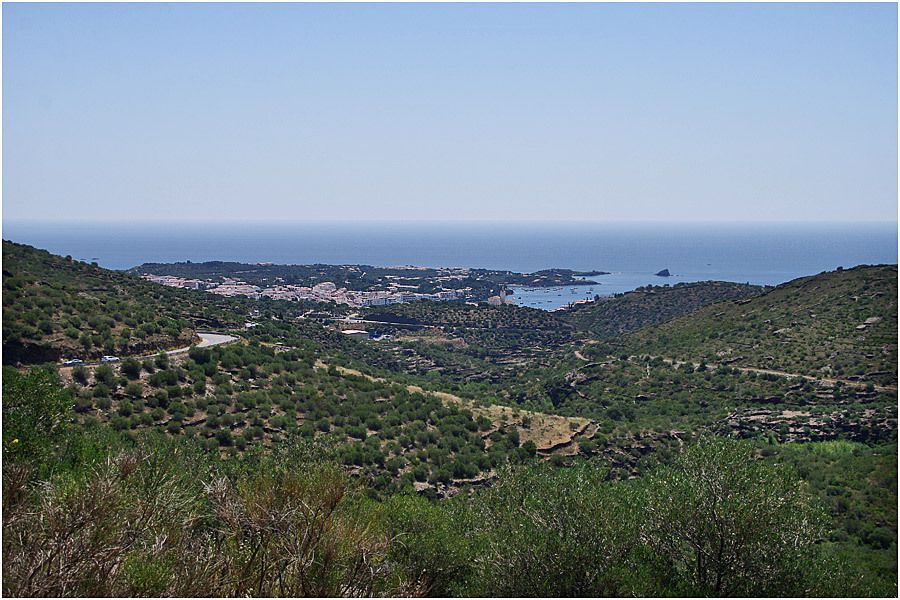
(840, 324)
(651, 305)
(498, 333)
(456, 314)
(56, 308)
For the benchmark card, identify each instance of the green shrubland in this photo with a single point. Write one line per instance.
(103, 513)
(296, 461)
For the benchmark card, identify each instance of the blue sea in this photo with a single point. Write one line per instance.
(632, 252)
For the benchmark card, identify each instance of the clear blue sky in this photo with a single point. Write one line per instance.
(771, 112)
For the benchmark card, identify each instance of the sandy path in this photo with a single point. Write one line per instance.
(822, 380)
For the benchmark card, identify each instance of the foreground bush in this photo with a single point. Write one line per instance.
(731, 525)
(718, 522)
(159, 519)
(145, 525)
(93, 512)
(35, 412)
(545, 530)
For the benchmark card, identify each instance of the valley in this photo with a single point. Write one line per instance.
(440, 399)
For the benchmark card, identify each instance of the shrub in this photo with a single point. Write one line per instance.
(80, 374)
(199, 355)
(542, 531)
(730, 524)
(83, 404)
(131, 368)
(104, 374)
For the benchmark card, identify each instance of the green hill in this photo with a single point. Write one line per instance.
(56, 308)
(464, 315)
(835, 325)
(289, 378)
(651, 305)
(463, 397)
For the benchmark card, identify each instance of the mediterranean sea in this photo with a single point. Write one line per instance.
(632, 252)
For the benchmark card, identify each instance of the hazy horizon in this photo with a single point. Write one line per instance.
(773, 251)
(438, 221)
(532, 112)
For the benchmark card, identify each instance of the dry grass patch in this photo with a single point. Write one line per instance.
(550, 433)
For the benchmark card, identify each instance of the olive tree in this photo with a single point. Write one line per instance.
(540, 531)
(730, 524)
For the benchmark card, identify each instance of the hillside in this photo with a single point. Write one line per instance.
(287, 378)
(654, 387)
(502, 329)
(241, 396)
(612, 316)
(467, 343)
(461, 392)
(57, 308)
(839, 325)
(455, 314)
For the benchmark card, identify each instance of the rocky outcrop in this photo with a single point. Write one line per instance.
(802, 426)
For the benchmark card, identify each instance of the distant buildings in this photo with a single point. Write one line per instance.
(325, 288)
(236, 288)
(321, 292)
(191, 284)
(499, 300)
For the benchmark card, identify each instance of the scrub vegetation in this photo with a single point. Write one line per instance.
(696, 440)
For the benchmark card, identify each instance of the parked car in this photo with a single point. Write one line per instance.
(73, 361)
(109, 359)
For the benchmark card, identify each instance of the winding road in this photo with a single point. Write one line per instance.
(207, 340)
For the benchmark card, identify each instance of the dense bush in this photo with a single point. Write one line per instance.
(158, 516)
(297, 461)
(35, 413)
(147, 524)
(717, 522)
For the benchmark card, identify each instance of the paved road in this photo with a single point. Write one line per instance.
(207, 339)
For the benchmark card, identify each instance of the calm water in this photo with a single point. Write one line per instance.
(769, 253)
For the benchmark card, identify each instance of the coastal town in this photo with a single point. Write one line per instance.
(321, 292)
(362, 286)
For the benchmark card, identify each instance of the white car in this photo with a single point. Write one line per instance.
(110, 359)
(73, 361)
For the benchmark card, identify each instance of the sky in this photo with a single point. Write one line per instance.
(447, 112)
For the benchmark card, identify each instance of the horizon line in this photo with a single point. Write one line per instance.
(272, 220)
